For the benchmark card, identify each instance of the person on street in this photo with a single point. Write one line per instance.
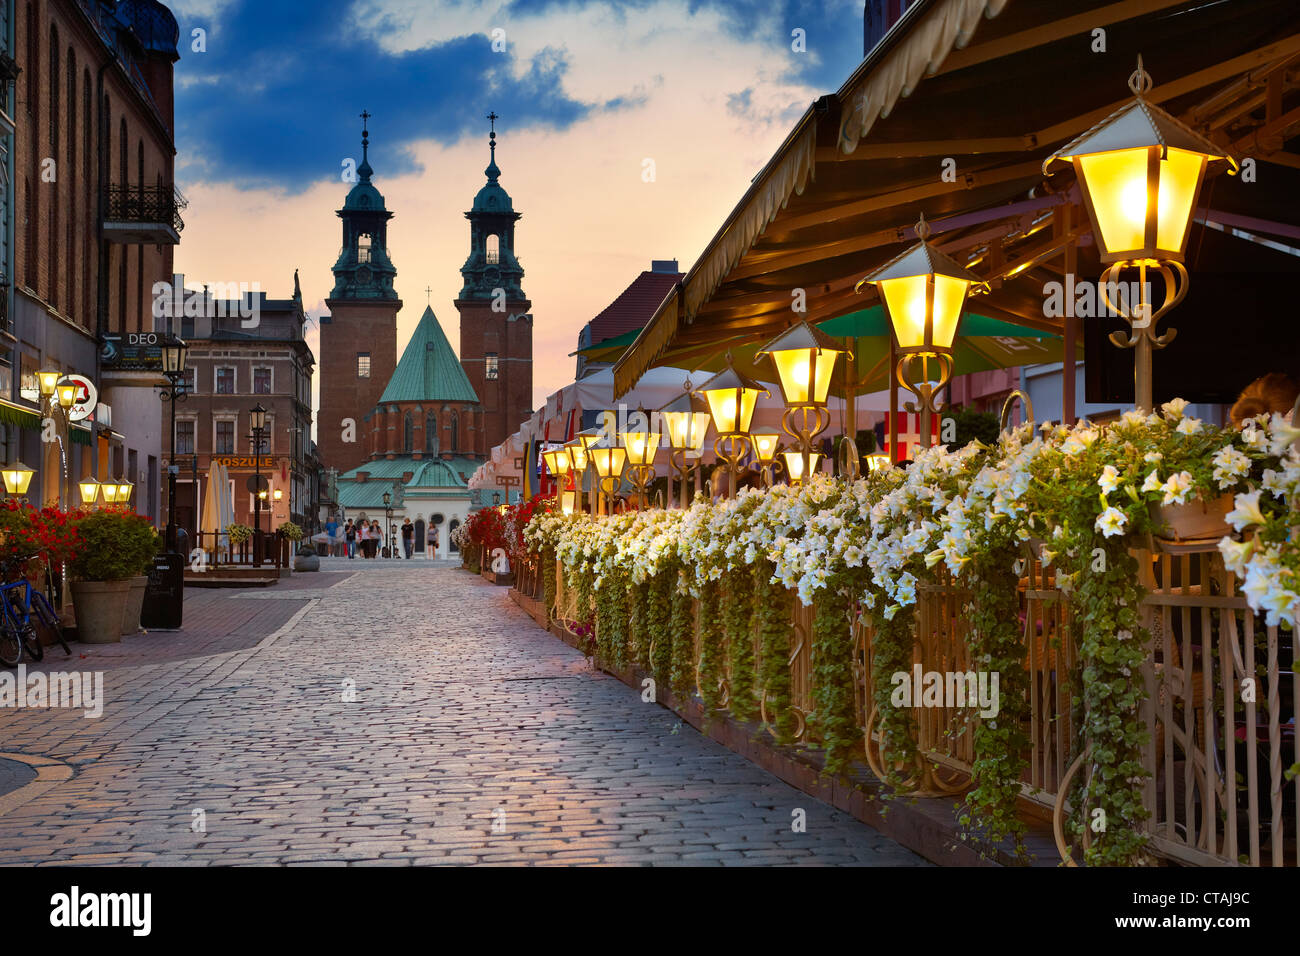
(408, 538)
(332, 529)
(431, 542)
(350, 538)
(376, 539)
(363, 538)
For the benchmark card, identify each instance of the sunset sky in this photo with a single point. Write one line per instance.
(586, 92)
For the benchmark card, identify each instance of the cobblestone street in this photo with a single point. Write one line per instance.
(474, 737)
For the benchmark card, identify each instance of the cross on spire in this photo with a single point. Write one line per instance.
(428, 292)
(365, 133)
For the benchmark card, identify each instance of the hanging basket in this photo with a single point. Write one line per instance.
(1195, 526)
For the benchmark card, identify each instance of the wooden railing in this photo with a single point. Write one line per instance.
(1221, 707)
(269, 549)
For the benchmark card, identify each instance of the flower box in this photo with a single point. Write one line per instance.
(1195, 526)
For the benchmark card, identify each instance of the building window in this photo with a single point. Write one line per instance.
(363, 248)
(431, 433)
(455, 445)
(408, 434)
(261, 381)
(493, 249)
(493, 368)
(225, 439)
(189, 381)
(225, 381)
(363, 365)
(185, 437)
(267, 443)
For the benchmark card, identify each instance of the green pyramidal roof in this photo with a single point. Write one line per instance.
(429, 370)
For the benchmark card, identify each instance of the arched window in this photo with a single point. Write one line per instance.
(408, 434)
(431, 433)
(363, 247)
(455, 443)
(493, 248)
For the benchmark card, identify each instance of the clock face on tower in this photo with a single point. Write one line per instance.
(492, 274)
(364, 275)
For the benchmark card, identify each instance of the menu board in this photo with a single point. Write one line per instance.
(164, 595)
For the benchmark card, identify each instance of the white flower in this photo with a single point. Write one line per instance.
(1176, 487)
(1229, 464)
(1153, 456)
(1152, 482)
(1109, 479)
(1190, 426)
(1236, 554)
(1246, 511)
(1174, 409)
(1111, 522)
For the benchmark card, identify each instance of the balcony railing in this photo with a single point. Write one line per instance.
(143, 215)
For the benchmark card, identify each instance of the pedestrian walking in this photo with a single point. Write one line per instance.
(431, 542)
(376, 539)
(363, 538)
(332, 529)
(408, 538)
(350, 538)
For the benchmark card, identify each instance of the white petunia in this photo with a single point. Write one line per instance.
(1109, 478)
(1111, 522)
(1176, 487)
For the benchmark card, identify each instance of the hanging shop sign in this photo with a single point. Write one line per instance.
(260, 462)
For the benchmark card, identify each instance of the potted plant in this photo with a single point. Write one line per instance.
(117, 545)
(306, 559)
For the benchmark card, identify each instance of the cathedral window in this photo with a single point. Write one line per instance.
(493, 249)
(431, 433)
(363, 248)
(493, 369)
(408, 434)
(363, 365)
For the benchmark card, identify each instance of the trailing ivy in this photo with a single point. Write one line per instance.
(712, 648)
(1000, 742)
(772, 608)
(832, 660)
(891, 653)
(611, 621)
(682, 675)
(659, 625)
(739, 593)
(549, 587)
(638, 606)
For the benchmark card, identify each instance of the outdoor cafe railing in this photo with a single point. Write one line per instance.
(1221, 705)
(272, 547)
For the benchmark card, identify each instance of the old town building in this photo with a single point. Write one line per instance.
(96, 222)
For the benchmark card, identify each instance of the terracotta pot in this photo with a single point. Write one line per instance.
(100, 606)
(1195, 524)
(134, 605)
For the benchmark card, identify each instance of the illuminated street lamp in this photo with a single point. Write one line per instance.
(805, 358)
(686, 424)
(608, 460)
(1140, 171)
(799, 465)
(766, 442)
(124, 489)
(924, 292)
(108, 490)
(641, 442)
(732, 398)
(17, 478)
(89, 488)
(577, 452)
(66, 392)
(49, 380)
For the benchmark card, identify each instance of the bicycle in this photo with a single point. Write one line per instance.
(22, 609)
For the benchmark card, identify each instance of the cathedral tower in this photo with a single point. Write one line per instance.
(358, 339)
(496, 329)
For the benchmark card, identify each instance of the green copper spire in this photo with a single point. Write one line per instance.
(492, 264)
(363, 269)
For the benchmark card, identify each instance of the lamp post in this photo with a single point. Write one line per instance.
(61, 395)
(805, 358)
(609, 460)
(89, 489)
(558, 465)
(124, 489)
(641, 443)
(686, 423)
(388, 520)
(924, 292)
(731, 397)
(257, 421)
(173, 356)
(1140, 172)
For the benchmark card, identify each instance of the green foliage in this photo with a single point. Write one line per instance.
(1001, 742)
(832, 660)
(773, 605)
(116, 544)
(738, 618)
(712, 650)
(638, 643)
(659, 625)
(549, 582)
(682, 675)
(971, 426)
(891, 653)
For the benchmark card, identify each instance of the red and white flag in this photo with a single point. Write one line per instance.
(909, 435)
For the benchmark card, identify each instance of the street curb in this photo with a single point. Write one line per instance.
(287, 626)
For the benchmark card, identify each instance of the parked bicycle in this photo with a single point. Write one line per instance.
(24, 612)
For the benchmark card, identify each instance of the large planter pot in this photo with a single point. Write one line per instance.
(306, 562)
(1194, 526)
(134, 604)
(100, 606)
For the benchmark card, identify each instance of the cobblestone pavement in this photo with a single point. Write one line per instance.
(474, 737)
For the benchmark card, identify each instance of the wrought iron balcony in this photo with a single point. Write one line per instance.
(143, 215)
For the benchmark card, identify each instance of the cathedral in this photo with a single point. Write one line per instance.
(417, 427)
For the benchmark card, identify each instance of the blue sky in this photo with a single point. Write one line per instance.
(273, 101)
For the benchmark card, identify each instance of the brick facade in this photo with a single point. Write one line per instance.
(507, 400)
(351, 328)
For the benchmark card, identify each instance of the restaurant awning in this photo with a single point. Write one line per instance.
(952, 115)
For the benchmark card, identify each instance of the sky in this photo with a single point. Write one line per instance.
(587, 91)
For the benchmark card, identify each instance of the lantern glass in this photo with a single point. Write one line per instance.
(794, 465)
(109, 490)
(17, 478)
(686, 430)
(173, 356)
(949, 297)
(557, 461)
(577, 455)
(732, 408)
(124, 492)
(877, 462)
(67, 393)
(388, 498)
(48, 381)
(89, 489)
(641, 446)
(765, 445)
(608, 461)
(279, 494)
(794, 365)
(257, 418)
(568, 502)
